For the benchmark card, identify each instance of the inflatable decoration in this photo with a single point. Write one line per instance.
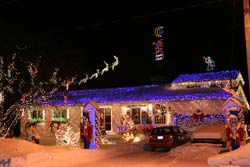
(235, 131)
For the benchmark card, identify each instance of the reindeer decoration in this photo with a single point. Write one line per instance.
(115, 63)
(84, 80)
(95, 74)
(106, 68)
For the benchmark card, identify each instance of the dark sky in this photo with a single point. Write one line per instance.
(78, 37)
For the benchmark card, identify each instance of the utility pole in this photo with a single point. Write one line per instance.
(247, 36)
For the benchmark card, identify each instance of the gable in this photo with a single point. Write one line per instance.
(232, 102)
(91, 106)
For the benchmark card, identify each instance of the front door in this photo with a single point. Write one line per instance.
(91, 114)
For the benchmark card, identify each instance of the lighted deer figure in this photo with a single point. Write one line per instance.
(84, 80)
(210, 63)
(95, 74)
(68, 83)
(106, 68)
(115, 63)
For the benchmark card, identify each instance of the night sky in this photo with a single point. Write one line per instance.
(78, 37)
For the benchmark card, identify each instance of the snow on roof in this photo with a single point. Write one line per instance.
(151, 93)
(208, 76)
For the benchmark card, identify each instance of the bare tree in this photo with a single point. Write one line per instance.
(20, 88)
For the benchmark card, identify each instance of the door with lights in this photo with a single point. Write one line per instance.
(91, 111)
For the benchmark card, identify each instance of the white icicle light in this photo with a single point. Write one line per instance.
(22, 112)
(52, 115)
(43, 114)
(81, 111)
(1, 97)
(29, 116)
(67, 113)
(168, 118)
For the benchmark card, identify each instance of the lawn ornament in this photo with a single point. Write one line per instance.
(210, 63)
(235, 131)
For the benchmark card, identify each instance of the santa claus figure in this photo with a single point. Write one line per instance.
(86, 132)
(235, 133)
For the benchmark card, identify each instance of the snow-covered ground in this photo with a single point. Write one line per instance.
(239, 157)
(21, 153)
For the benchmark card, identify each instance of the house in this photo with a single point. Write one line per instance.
(231, 80)
(162, 104)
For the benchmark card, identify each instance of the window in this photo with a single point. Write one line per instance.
(37, 115)
(160, 119)
(60, 116)
(144, 117)
(159, 112)
(105, 118)
(138, 114)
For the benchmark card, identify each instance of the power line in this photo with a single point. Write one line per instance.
(150, 14)
(5, 3)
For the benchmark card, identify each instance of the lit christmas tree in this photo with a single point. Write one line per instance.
(66, 137)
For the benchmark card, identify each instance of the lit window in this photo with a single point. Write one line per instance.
(105, 118)
(159, 111)
(37, 115)
(139, 115)
(144, 117)
(136, 115)
(160, 119)
(60, 116)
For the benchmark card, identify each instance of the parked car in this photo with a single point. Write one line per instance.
(166, 137)
(210, 134)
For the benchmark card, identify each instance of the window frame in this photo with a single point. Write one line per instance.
(36, 116)
(159, 113)
(104, 112)
(60, 115)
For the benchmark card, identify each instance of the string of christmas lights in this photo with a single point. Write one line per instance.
(14, 81)
(153, 93)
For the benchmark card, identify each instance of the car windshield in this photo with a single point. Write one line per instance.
(161, 131)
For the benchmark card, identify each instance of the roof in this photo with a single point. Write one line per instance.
(208, 76)
(152, 93)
